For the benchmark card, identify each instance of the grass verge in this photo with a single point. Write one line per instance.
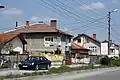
(61, 69)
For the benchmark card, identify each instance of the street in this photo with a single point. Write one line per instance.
(96, 74)
(5, 72)
(112, 75)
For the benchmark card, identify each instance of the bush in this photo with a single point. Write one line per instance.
(115, 62)
(105, 60)
(60, 69)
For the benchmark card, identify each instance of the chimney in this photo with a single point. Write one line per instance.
(94, 36)
(16, 25)
(27, 24)
(53, 23)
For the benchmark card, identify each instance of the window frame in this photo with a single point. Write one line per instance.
(50, 39)
(93, 48)
(79, 41)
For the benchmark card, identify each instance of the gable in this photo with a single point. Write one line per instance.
(88, 38)
(5, 38)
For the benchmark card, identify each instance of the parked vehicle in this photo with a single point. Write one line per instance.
(35, 62)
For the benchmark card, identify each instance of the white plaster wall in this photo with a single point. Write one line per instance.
(104, 48)
(86, 44)
(91, 43)
(16, 46)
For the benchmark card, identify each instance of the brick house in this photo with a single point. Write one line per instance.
(43, 38)
(12, 42)
(90, 43)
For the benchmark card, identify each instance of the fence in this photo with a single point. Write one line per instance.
(52, 57)
(13, 58)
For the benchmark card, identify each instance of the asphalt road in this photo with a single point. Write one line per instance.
(112, 75)
(96, 74)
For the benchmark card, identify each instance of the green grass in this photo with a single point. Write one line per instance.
(61, 69)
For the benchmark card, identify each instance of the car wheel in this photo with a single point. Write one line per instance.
(36, 67)
(47, 67)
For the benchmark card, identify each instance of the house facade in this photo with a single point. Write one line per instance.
(43, 37)
(114, 49)
(79, 54)
(90, 43)
(12, 43)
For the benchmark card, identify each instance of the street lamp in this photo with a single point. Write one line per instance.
(2, 6)
(109, 21)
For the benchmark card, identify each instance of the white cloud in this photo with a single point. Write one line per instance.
(114, 1)
(34, 18)
(44, 19)
(12, 11)
(97, 5)
(66, 30)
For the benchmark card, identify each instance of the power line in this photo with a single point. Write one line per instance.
(75, 10)
(89, 24)
(69, 11)
(59, 10)
(94, 20)
(68, 15)
(86, 15)
(117, 38)
(98, 12)
(51, 9)
(92, 27)
(115, 31)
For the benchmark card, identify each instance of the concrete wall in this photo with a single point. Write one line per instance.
(36, 42)
(104, 50)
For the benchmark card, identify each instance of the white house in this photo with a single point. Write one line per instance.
(12, 43)
(90, 43)
(114, 49)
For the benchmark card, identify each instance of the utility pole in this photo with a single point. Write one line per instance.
(109, 27)
(1, 6)
(109, 20)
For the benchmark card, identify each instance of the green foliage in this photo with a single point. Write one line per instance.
(115, 62)
(8, 47)
(59, 70)
(105, 60)
(1, 78)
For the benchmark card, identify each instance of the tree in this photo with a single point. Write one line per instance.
(1, 46)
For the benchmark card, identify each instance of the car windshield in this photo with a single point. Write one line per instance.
(32, 58)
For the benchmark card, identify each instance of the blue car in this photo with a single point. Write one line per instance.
(35, 62)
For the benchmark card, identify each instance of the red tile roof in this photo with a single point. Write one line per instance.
(76, 46)
(38, 28)
(4, 38)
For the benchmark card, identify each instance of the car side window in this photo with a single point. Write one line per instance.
(45, 58)
(41, 59)
(35, 58)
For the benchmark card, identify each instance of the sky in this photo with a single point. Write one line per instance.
(73, 16)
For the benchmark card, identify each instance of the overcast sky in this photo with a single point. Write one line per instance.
(74, 16)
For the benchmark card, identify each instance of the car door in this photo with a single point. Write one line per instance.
(36, 60)
(46, 61)
(42, 63)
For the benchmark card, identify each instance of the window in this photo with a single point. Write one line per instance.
(93, 48)
(41, 58)
(79, 40)
(87, 40)
(48, 39)
(112, 50)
